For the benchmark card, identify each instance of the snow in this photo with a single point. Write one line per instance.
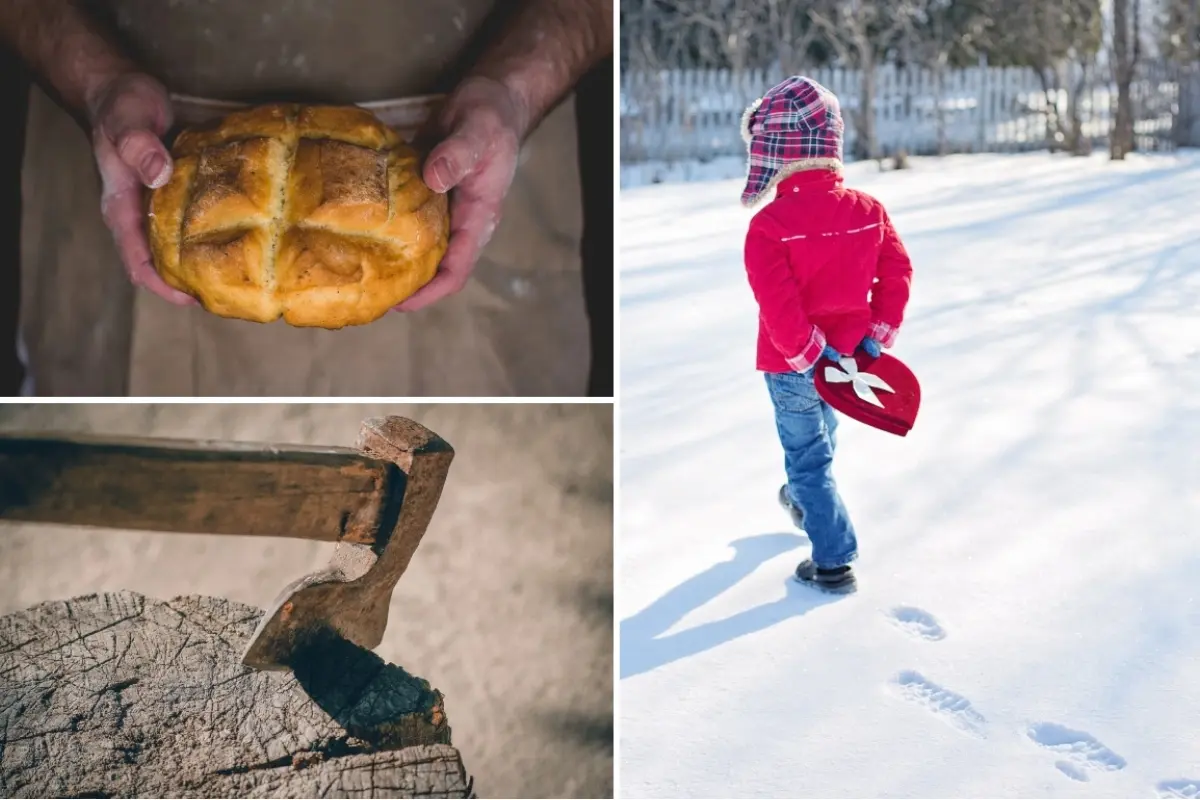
(1027, 622)
(644, 173)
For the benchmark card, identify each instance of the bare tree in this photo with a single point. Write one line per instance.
(1126, 51)
(651, 37)
(861, 32)
(935, 32)
(786, 25)
(1178, 27)
(638, 43)
(1177, 39)
(1059, 40)
(725, 27)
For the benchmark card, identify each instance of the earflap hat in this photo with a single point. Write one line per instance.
(795, 126)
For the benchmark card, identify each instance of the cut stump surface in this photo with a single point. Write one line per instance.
(119, 695)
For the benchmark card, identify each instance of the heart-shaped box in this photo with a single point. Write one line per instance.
(880, 392)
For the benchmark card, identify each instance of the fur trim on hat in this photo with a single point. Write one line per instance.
(746, 115)
(803, 165)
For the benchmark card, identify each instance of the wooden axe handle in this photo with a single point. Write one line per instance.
(326, 493)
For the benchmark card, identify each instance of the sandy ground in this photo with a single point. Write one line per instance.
(506, 608)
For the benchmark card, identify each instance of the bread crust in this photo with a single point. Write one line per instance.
(316, 214)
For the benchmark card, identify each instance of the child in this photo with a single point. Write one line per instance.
(830, 276)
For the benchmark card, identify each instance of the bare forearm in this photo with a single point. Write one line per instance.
(65, 48)
(544, 49)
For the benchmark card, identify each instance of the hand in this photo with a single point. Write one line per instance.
(871, 347)
(475, 162)
(129, 115)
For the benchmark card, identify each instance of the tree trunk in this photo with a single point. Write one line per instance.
(939, 83)
(1054, 132)
(118, 695)
(1121, 141)
(1079, 143)
(866, 145)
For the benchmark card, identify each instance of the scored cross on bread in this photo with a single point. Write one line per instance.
(317, 214)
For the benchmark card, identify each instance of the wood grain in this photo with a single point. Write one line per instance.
(328, 493)
(120, 695)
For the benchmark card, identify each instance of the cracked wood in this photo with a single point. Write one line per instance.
(118, 695)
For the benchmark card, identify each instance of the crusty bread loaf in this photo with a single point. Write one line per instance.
(317, 214)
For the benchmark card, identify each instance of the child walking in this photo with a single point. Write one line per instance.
(830, 276)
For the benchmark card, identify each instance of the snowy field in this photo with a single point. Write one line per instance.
(1028, 619)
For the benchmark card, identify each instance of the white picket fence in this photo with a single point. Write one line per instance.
(695, 114)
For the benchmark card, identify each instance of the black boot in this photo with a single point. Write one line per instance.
(785, 502)
(839, 580)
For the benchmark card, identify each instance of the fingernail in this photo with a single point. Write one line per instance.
(154, 170)
(442, 175)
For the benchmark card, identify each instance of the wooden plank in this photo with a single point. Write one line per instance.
(328, 494)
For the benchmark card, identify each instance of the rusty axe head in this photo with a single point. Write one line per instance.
(351, 596)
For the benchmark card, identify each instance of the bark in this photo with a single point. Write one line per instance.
(1126, 51)
(118, 695)
(939, 81)
(1078, 142)
(1064, 131)
(792, 40)
(866, 144)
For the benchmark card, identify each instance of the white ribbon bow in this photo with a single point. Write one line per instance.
(862, 382)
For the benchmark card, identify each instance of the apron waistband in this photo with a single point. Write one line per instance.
(405, 115)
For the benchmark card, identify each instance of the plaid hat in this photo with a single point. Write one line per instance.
(797, 125)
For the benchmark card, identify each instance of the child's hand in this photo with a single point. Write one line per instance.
(831, 354)
(871, 347)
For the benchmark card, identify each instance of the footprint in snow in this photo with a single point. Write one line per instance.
(1071, 771)
(1183, 789)
(1082, 751)
(948, 706)
(916, 622)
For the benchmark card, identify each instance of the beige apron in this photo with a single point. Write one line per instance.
(519, 328)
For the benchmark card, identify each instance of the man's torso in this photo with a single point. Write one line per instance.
(518, 328)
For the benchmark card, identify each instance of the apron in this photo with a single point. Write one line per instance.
(519, 328)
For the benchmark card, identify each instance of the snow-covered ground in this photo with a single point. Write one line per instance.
(1028, 622)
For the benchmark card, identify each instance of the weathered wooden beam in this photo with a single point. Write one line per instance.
(326, 493)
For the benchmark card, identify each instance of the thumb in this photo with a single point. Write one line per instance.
(132, 113)
(144, 153)
(455, 157)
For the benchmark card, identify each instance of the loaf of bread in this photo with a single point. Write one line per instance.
(317, 214)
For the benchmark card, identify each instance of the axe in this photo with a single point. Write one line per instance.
(374, 501)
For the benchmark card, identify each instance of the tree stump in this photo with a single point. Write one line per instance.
(119, 695)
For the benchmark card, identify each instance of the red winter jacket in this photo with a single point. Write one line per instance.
(826, 266)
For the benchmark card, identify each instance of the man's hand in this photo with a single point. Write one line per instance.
(540, 52)
(129, 115)
(125, 113)
(475, 163)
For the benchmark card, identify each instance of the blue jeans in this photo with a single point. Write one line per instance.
(808, 432)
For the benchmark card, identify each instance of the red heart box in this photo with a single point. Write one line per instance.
(847, 385)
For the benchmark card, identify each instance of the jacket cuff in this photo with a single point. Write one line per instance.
(883, 333)
(808, 355)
